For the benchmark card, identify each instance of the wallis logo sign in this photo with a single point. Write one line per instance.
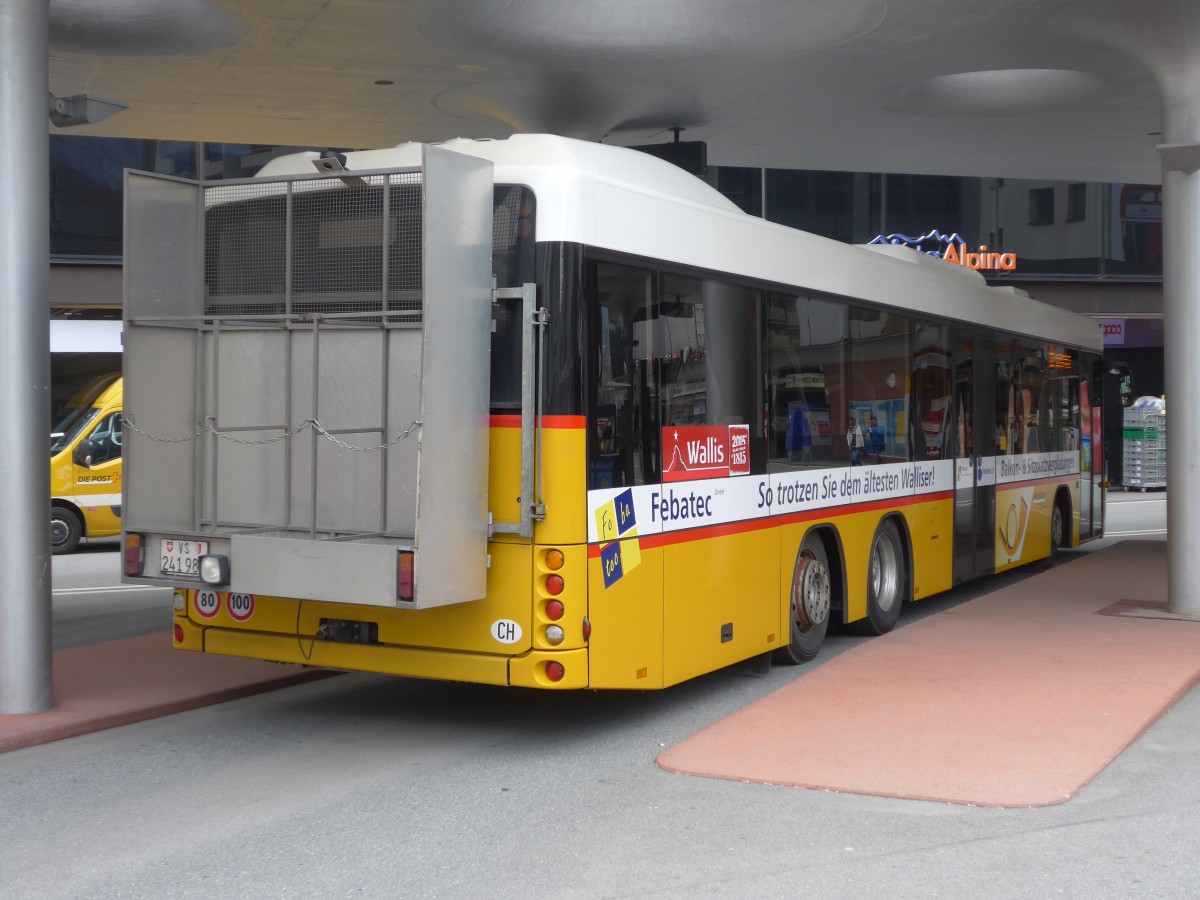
(705, 451)
(953, 249)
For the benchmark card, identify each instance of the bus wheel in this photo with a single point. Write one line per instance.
(809, 608)
(1058, 529)
(65, 530)
(886, 582)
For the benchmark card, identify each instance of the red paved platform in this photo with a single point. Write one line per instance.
(120, 682)
(1018, 698)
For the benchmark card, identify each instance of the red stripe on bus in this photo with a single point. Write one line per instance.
(746, 526)
(547, 422)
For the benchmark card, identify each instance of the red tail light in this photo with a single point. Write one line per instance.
(133, 558)
(555, 671)
(404, 575)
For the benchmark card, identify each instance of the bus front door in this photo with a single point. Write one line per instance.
(974, 460)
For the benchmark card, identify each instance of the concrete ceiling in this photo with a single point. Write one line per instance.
(1063, 89)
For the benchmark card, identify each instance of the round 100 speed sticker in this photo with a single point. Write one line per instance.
(241, 606)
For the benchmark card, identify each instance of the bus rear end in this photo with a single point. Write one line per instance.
(333, 430)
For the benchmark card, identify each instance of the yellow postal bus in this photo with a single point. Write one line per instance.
(85, 466)
(555, 414)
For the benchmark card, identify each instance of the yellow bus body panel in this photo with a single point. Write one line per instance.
(627, 624)
(1023, 521)
(464, 627)
(564, 485)
(931, 529)
(418, 662)
(722, 605)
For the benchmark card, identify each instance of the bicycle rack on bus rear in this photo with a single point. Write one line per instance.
(356, 309)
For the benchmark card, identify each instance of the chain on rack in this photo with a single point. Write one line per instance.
(291, 432)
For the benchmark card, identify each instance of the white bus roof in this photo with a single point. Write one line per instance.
(625, 201)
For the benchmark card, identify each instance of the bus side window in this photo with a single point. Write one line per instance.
(941, 424)
(706, 342)
(805, 375)
(880, 350)
(623, 420)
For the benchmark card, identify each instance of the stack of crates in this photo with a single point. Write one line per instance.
(1145, 444)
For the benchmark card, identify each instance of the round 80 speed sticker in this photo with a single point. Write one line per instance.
(207, 603)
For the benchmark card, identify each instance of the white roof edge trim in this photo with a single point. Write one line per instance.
(601, 161)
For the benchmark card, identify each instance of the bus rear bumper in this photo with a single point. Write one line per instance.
(526, 670)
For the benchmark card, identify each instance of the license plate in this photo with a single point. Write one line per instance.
(179, 557)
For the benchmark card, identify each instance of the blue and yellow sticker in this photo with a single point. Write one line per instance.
(617, 524)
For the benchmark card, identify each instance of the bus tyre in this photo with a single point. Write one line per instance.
(887, 581)
(1058, 529)
(808, 608)
(65, 530)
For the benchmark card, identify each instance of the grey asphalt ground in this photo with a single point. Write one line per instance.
(377, 787)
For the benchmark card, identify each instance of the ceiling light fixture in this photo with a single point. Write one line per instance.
(82, 109)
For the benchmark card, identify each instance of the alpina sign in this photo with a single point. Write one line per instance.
(953, 249)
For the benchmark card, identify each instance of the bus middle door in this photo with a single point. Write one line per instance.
(975, 459)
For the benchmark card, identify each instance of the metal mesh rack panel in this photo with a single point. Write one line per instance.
(315, 246)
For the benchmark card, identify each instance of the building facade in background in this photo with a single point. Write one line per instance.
(1093, 248)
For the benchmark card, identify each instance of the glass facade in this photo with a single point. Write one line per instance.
(840, 205)
(1068, 231)
(87, 181)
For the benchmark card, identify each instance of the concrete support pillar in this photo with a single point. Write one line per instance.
(25, 619)
(1181, 313)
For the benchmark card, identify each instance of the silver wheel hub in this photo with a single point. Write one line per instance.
(58, 531)
(885, 573)
(810, 593)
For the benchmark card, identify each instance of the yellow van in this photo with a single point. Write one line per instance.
(85, 466)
